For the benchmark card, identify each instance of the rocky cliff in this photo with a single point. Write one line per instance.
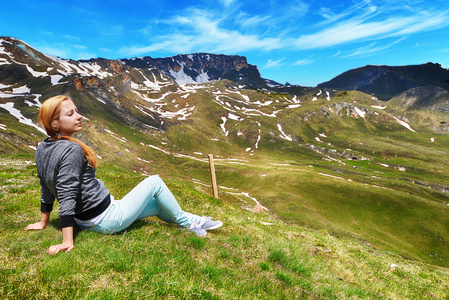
(202, 67)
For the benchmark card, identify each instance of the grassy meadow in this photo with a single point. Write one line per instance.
(253, 256)
(356, 206)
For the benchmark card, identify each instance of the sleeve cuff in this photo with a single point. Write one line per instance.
(67, 221)
(45, 207)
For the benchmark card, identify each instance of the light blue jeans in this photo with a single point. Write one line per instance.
(151, 197)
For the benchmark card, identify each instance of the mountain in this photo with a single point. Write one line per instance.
(184, 69)
(386, 81)
(427, 97)
(324, 158)
(201, 68)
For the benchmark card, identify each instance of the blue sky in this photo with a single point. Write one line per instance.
(300, 42)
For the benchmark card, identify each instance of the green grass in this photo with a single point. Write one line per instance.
(244, 259)
(388, 199)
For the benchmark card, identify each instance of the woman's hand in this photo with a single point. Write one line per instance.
(45, 219)
(35, 226)
(67, 242)
(67, 246)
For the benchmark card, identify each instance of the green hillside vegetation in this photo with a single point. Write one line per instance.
(253, 256)
(367, 178)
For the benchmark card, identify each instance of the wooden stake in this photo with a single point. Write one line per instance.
(212, 175)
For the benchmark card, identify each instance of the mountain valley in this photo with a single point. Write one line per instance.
(356, 164)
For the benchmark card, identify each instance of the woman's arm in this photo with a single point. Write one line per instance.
(67, 242)
(67, 234)
(45, 219)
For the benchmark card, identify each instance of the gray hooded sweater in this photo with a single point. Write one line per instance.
(66, 175)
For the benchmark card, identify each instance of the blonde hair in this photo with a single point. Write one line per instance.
(50, 112)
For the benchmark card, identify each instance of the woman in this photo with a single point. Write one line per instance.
(66, 169)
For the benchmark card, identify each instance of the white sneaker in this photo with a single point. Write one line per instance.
(195, 227)
(207, 223)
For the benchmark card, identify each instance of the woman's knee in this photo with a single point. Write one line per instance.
(155, 180)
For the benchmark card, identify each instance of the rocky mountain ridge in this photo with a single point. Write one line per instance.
(202, 67)
(183, 69)
(388, 81)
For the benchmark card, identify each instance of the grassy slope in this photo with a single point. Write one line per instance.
(285, 176)
(245, 259)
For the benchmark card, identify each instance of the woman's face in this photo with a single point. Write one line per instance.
(69, 119)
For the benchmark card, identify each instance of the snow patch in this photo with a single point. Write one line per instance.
(2, 86)
(248, 196)
(141, 159)
(202, 77)
(55, 79)
(234, 117)
(258, 138)
(21, 90)
(35, 73)
(181, 77)
(121, 139)
(283, 135)
(406, 125)
(9, 106)
(360, 112)
(222, 125)
(102, 101)
(333, 176)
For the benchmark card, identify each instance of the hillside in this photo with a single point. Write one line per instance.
(428, 97)
(340, 161)
(253, 256)
(388, 81)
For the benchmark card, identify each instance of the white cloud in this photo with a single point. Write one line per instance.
(368, 50)
(349, 31)
(273, 64)
(355, 30)
(360, 10)
(71, 37)
(303, 62)
(80, 47)
(366, 21)
(202, 31)
(226, 31)
(250, 21)
(227, 3)
(337, 54)
(372, 49)
(425, 22)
